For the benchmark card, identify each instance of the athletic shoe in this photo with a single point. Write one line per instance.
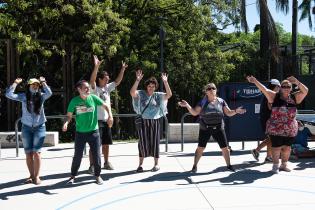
(99, 180)
(70, 181)
(268, 160)
(255, 154)
(91, 170)
(108, 166)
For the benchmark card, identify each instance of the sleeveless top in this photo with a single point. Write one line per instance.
(282, 121)
(211, 114)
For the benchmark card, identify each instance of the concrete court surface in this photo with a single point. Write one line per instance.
(252, 186)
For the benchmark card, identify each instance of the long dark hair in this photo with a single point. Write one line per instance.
(36, 99)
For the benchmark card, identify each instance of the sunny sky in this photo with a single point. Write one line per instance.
(285, 20)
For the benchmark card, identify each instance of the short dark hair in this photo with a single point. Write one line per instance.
(151, 80)
(80, 83)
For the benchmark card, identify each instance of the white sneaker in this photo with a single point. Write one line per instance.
(99, 180)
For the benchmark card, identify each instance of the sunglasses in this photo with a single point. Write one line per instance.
(211, 88)
(285, 86)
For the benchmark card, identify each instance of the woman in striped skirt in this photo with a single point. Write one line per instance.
(151, 106)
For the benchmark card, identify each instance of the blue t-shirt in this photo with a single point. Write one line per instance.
(155, 110)
(301, 137)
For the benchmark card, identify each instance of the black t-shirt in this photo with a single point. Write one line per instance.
(265, 112)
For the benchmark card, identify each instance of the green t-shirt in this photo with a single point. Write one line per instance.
(86, 112)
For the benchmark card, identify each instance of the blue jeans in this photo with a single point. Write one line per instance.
(93, 139)
(33, 137)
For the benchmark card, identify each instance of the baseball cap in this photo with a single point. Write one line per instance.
(32, 81)
(275, 82)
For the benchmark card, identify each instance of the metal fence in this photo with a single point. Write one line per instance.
(64, 117)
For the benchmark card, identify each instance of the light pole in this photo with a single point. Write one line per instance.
(162, 37)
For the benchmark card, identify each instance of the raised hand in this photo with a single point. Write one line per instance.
(164, 77)
(124, 65)
(251, 79)
(293, 80)
(42, 79)
(97, 62)
(18, 80)
(139, 74)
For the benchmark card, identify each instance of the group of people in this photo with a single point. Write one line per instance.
(94, 119)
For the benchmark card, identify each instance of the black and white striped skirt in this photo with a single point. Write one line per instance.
(149, 138)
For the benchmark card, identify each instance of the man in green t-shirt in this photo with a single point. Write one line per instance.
(85, 108)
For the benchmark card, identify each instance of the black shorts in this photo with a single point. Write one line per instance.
(105, 133)
(218, 133)
(278, 141)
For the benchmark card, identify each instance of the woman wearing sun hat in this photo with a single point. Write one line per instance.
(33, 121)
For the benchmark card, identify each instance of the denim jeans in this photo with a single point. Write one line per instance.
(93, 139)
(33, 137)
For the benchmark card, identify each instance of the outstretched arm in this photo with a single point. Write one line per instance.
(193, 111)
(231, 112)
(167, 86)
(121, 73)
(270, 95)
(133, 90)
(93, 76)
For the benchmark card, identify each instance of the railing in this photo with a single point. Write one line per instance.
(182, 129)
(64, 116)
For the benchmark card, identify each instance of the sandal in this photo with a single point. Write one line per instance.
(155, 168)
(28, 181)
(37, 181)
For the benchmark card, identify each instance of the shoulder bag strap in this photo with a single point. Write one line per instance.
(147, 105)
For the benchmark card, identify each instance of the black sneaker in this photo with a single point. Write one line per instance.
(230, 168)
(268, 160)
(139, 169)
(255, 154)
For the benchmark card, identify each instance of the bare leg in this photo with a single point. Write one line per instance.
(37, 165)
(30, 164)
(226, 155)
(262, 144)
(141, 161)
(198, 154)
(276, 154)
(105, 150)
(269, 151)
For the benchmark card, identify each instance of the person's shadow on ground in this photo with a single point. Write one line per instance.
(243, 175)
(304, 163)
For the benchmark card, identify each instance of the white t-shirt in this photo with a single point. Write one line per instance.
(104, 94)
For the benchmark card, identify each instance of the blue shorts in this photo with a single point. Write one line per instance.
(33, 137)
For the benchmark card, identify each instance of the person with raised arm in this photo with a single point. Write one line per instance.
(33, 122)
(282, 126)
(101, 87)
(152, 106)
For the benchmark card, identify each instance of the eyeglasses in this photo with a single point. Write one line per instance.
(285, 86)
(211, 88)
